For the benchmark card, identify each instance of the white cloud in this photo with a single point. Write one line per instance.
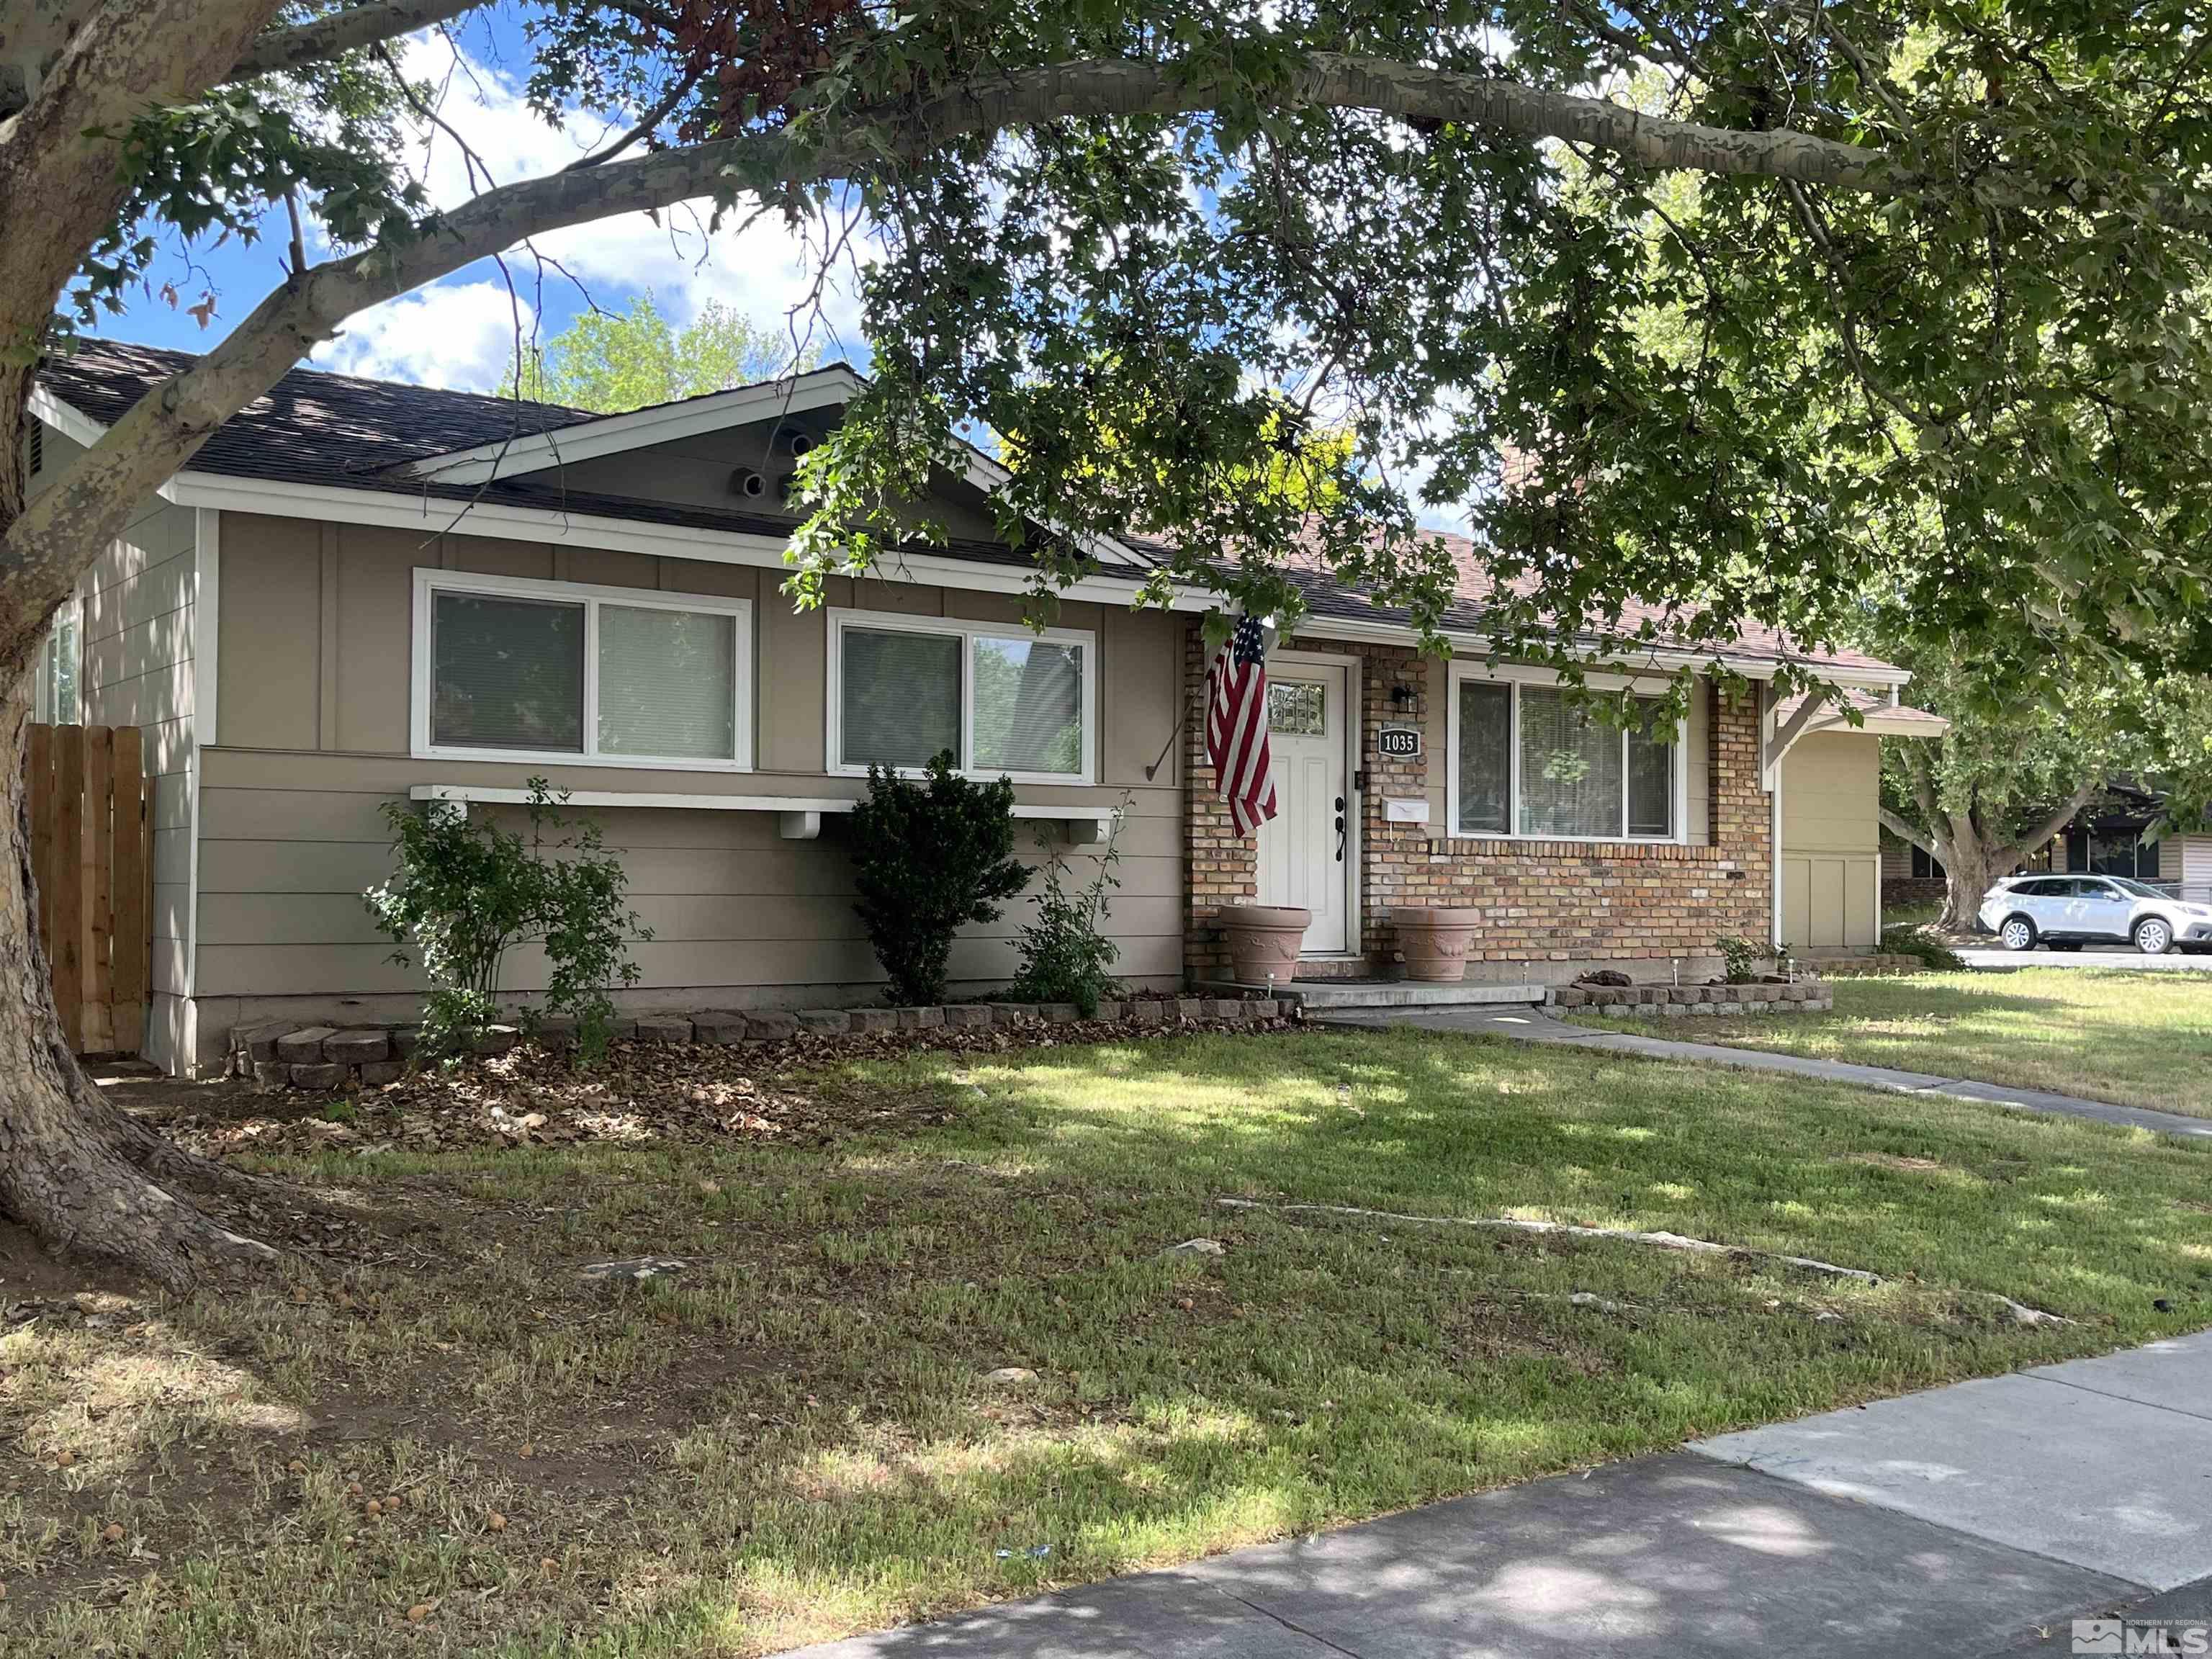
(441, 335)
(459, 335)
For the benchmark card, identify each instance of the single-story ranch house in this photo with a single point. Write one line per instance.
(360, 591)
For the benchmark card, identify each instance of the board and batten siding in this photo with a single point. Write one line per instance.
(136, 668)
(314, 667)
(1832, 843)
(2195, 873)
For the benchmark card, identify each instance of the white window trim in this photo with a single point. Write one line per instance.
(430, 582)
(1515, 678)
(967, 633)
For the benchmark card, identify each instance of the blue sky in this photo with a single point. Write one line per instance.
(461, 331)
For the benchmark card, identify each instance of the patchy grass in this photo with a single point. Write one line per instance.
(2139, 1039)
(797, 1438)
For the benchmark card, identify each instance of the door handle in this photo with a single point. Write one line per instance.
(1339, 829)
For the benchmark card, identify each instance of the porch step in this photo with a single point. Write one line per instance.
(1330, 995)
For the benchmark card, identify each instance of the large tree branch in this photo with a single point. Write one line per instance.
(1905, 830)
(60, 183)
(45, 548)
(342, 31)
(2051, 825)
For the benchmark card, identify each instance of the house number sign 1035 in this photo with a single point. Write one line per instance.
(1398, 742)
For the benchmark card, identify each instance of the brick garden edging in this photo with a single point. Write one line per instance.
(1676, 1001)
(1868, 967)
(285, 1054)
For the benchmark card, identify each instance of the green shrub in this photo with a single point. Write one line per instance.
(1740, 958)
(1065, 955)
(929, 855)
(1912, 940)
(467, 892)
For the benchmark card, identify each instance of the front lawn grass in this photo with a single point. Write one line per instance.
(798, 1436)
(2137, 1039)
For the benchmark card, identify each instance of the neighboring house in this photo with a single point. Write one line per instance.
(2105, 839)
(360, 592)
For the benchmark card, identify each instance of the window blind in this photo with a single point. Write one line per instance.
(1571, 768)
(666, 682)
(899, 700)
(1651, 778)
(1029, 707)
(507, 673)
(1485, 757)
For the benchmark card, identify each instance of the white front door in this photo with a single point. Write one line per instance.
(1305, 850)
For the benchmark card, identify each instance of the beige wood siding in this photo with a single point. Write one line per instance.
(1832, 843)
(696, 470)
(291, 831)
(137, 670)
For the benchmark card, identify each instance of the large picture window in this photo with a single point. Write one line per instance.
(509, 668)
(1003, 700)
(1526, 761)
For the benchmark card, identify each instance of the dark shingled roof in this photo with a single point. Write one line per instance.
(310, 427)
(316, 428)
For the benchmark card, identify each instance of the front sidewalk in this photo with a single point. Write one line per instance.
(1974, 1520)
(1541, 1025)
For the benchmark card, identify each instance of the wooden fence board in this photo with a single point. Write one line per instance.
(38, 781)
(99, 809)
(133, 889)
(67, 940)
(92, 854)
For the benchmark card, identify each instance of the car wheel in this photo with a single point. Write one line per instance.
(2153, 936)
(2018, 934)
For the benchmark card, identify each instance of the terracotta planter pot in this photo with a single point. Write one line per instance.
(1263, 941)
(1433, 939)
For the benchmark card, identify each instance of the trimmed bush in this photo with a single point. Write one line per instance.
(929, 855)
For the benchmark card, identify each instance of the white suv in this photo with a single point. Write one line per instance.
(2071, 911)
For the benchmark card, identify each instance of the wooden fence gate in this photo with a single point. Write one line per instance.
(92, 852)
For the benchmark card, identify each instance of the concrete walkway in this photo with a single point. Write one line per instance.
(1977, 1520)
(1539, 1026)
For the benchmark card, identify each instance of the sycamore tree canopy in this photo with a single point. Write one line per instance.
(1934, 275)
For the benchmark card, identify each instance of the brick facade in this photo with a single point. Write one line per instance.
(1223, 868)
(1556, 905)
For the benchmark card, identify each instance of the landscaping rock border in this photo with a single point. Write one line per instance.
(285, 1054)
(1680, 1001)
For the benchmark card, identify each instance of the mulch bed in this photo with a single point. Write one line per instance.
(640, 1092)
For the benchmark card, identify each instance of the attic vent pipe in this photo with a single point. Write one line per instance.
(796, 441)
(749, 484)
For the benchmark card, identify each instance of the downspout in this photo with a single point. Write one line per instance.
(1774, 826)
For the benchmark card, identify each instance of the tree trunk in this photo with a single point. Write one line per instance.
(76, 1171)
(1969, 867)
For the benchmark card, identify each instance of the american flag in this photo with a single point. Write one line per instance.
(1236, 726)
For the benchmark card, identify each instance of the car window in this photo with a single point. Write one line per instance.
(2140, 889)
(2101, 890)
(2048, 887)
